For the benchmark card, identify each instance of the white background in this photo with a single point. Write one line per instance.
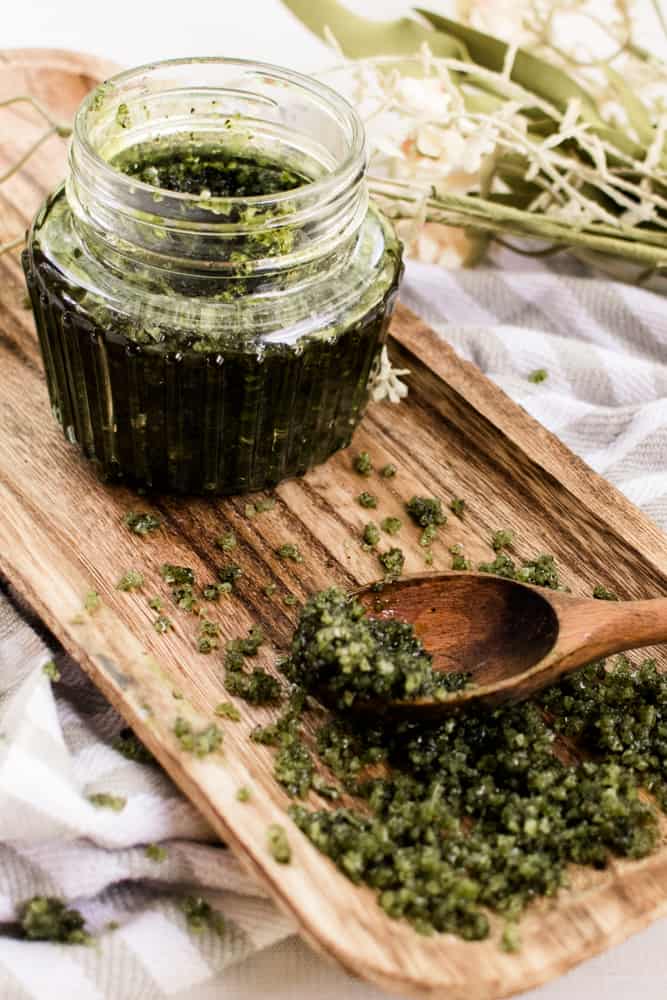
(138, 31)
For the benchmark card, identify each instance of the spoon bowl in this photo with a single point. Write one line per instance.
(512, 638)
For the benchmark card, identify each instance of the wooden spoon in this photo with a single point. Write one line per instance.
(511, 637)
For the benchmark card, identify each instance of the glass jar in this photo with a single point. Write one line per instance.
(211, 287)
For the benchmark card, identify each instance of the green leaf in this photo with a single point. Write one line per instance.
(359, 37)
(533, 74)
(521, 192)
(480, 102)
(637, 113)
(514, 199)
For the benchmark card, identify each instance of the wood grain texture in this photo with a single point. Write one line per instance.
(61, 534)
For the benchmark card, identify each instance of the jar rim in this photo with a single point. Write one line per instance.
(342, 174)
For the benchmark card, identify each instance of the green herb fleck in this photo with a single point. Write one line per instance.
(270, 589)
(290, 600)
(202, 743)
(392, 525)
(457, 506)
(226, 542)
(601, 593)
(259, 507)
(459, 561)
(156, 603)
(230, 573)
(141, 522)
(367, 500)
(539, 375)
(370, 536)
(388, 471)
(243, 794)
(162, 624)
(363, 464)
(92, 602)
(200, 916)
(233, 658)
(294, 767)
(502, 565)
(228, 711)
(428, 536)
(132, 580)
(324, 789)
(102, 800)
(123, 117)
(278, 844)
(213, 591)
(511, 938)
(185, 598)
(248, 645)
(182, 581)
(288, 550)
(502, 539)
(51, 671)
(392, 562)
(426, 511)
(257, 688)
(541, 572)
(129, 745)
(208, 636)
(177, 574)
(155, 852)
(45, 918)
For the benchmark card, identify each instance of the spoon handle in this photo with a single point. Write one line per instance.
(590, 630)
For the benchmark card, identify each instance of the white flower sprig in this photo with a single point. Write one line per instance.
(385, 380)
(455, 143)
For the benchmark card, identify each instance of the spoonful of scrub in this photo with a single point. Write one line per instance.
(427, 645)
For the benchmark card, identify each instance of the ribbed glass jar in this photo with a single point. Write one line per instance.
(208, 334)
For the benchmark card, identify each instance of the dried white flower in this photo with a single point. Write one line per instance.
(424, 99)
(384, 381)
(453, 143)
(572, 212)
(480, 142)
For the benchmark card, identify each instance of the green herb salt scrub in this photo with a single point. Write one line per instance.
(478, 813)
(453, 821)
(483, 812)
(349, 658)
(211, 297)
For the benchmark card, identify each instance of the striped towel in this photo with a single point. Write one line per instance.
(602, 343)
(604, 347)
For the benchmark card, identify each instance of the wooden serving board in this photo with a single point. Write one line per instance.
(61, 534)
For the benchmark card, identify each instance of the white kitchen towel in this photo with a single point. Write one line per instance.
(603, 346)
